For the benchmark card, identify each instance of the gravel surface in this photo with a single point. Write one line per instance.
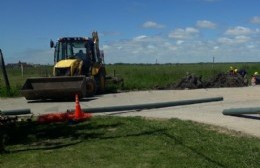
(209, 113)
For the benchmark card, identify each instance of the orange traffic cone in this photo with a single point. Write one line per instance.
(78, 113)
(77, 116)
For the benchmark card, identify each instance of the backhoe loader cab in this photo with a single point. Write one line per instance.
(74, 56)
(78, 69)
(67, 48)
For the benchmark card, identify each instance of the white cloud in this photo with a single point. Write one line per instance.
(255, 20)
(242, 39)
(216, 47)
(140, 49)
(109, 33)
(250, 46)
(186, 33)
(140, 38)
(233, 41)
(239, 30)
(206, 24)
(184, 45)
(179, 42)
(105, 46)
(151, 24)
(152, 48)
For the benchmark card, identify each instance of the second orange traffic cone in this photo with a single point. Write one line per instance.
(78, 113)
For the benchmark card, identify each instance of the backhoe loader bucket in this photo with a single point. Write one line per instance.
(54, 88)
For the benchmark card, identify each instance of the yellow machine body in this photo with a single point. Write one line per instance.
(78, 69)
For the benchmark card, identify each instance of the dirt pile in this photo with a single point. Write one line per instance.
(227, 80)
(191, 81)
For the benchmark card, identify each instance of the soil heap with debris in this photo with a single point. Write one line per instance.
(191, 81)
(227, 80)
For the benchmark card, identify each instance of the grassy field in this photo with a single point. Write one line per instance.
(129, 142)
(17, 78)
(136, 77)
(140, 77)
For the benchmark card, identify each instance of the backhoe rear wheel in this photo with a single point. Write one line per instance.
(90, 87)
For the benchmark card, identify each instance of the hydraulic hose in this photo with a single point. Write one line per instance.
(149, 106)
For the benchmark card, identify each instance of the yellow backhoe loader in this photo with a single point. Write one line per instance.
(78, 69)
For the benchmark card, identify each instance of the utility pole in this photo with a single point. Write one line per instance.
(213, 61)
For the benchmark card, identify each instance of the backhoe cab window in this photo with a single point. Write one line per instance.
(70, 49)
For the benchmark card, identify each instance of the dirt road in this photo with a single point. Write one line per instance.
(210, 113)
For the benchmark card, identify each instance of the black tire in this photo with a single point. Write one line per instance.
(91, 87)
(101, 82)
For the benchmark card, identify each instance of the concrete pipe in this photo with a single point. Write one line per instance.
(239, 111)
(150, 106)
(16, 112)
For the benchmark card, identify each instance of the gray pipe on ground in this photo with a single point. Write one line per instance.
(16, 112)
(239, 111)
(149, 106)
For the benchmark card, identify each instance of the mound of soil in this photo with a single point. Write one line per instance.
(227, 80)
(191, 81)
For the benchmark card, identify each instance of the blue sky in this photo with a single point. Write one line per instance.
(137, 31)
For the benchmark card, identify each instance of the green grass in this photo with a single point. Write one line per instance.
(17, 79)
(143, 77)
(129, 142)
(136, 76)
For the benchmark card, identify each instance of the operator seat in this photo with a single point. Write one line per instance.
(80, 55)
(86, 62)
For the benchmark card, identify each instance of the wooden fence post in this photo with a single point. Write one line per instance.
(2, 65)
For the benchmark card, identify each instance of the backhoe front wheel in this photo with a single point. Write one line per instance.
(101, 82)
(90, 87)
